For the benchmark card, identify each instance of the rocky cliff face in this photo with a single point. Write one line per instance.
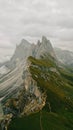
(29, 83)
(21, 53)
(25, 49)
(44, 47)
(44, 83)
(11, 82)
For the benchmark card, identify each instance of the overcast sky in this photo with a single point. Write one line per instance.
(30, 19)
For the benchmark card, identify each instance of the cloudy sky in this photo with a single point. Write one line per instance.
(31, 19)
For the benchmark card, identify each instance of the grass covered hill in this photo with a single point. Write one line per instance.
(57, 83)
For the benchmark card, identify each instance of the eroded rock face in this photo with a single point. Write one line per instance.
(21, 53)
(29, 83)
(11, 82)
(25, 49)
(45, 47)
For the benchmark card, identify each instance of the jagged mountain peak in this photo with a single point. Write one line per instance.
(45, 47)
(23, 43)
(38, 43)
(44, 39)
(22, 51)
(25, 49)
(46, 42)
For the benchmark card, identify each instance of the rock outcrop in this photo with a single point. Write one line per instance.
(44, 47)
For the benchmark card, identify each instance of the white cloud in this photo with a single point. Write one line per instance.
(33, 18)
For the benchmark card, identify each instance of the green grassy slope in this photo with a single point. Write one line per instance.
(59, 90)
(42, 121)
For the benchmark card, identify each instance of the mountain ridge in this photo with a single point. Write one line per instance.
(44, 94)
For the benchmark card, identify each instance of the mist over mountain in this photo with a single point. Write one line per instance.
(25, 49)
(18, 63)
(65, 56)
(36, 50)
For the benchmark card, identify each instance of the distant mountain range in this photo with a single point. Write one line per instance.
(64, 56)
(26, 49)
(19, 59)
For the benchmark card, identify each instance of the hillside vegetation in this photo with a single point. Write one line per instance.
(56, 82)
